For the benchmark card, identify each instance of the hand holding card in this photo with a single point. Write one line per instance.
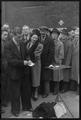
(30, 63)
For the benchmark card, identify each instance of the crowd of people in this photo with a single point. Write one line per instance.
(43, 47)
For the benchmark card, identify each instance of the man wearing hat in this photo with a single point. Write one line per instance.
(74, 82)
(58, 56)
(47, 58)
(45, 29)
(67, 59)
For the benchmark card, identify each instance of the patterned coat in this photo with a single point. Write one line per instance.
(36, 69)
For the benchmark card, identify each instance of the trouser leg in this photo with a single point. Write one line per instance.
(4, 89)
(15, 96)
(35, 94)
(73, 85)
(56, 88)
(46, 89)
(26, 93)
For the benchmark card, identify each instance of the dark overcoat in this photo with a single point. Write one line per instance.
(47, 58)
(19, 76)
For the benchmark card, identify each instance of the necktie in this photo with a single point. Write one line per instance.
(18, 46)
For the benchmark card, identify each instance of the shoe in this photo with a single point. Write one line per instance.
(4, 105)
(73, 85)
(78, 90)
(35, 98)
(44, 96)
(15, 114)
(35, 95)
(56, 88)
(55, 93)
(2, 111)
(63, 91)
(27, 109)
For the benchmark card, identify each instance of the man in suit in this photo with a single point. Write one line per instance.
(47, 58)
(26, 34)
(19, 75)
(4, 80)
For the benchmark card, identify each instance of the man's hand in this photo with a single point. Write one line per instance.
(25, 62)
(30, 63)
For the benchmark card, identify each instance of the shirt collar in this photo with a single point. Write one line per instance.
(15, 41)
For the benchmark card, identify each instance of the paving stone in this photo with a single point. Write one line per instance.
(71, 100)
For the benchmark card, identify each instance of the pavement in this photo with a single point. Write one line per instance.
(69, 99)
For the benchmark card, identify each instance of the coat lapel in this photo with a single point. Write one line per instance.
(17, 52)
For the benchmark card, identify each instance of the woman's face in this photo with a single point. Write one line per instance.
(4, 35)
(34, 38)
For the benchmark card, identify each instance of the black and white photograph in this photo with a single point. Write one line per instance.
(40, 75)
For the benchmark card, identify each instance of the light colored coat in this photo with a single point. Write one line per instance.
(75, 61)
(36, 69)
(59, 55)
(67, 59)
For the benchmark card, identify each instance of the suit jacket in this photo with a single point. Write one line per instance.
(4, 64)
(47, 56)
(15, 60)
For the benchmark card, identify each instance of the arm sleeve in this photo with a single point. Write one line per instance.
(61, 52)
(12, 59)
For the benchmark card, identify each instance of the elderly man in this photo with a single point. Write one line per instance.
(58, 56)
(19, 75)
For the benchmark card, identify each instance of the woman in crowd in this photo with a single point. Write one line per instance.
(36, 69)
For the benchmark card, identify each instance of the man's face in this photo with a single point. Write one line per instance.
(26, 30)
(48, 33)
(17, 38)
(4, 35)
(43, 36)
(63, 37)
(54, 36)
